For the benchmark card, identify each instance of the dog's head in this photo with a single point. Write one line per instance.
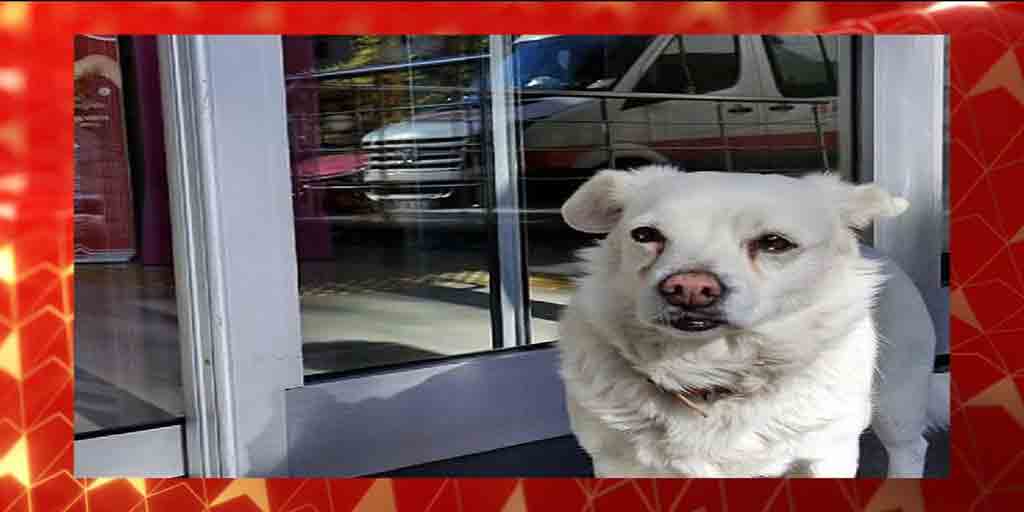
(697, 255)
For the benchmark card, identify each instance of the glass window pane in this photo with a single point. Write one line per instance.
(800, 66)
(127, 356)
(668, 72)
(694, 65)
(392, 202)
(394, 194)
(712, 62)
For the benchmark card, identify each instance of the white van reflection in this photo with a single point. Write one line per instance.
(583, 103)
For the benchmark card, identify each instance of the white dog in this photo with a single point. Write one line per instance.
(724, 326)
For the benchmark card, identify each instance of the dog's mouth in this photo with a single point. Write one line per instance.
(690, 322)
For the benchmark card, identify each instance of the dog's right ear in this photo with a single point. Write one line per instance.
(597, 205)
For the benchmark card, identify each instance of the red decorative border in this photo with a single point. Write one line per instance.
(36, 257)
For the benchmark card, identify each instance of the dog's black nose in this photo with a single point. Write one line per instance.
(691, 289)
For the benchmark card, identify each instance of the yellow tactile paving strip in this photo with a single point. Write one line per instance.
(152, 278)
(465, 279)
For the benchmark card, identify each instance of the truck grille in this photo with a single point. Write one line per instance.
(447, 155)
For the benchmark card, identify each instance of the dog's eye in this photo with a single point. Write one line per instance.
(773, 243)
(647, 234)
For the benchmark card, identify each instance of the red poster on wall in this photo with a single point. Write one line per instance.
(104, 212)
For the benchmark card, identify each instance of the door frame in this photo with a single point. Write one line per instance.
(900, 146)
(234, 248)
(247, 405)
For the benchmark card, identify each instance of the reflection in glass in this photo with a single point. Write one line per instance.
(579, 63)
(392, 166)
(391, 201)
(127, 357)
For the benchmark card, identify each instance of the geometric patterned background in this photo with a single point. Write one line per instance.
(987, 274)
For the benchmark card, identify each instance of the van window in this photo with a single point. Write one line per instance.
(801, 66)
(694, 65)
(713, 62)
(575, 62)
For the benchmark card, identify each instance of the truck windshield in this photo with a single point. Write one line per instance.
(591, 63)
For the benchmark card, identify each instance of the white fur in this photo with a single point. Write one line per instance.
(801, 345)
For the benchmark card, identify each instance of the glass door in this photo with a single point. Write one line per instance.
(404, 167)
(393, 200)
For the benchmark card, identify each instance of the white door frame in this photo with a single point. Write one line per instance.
(234, 247)
(901, 148)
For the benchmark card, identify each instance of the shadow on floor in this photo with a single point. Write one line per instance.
(563, 457)
(107, 407)
(344, 355)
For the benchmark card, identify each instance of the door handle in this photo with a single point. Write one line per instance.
(739, 109)
(786, 107)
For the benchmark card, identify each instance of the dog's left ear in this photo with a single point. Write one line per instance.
(859, 205)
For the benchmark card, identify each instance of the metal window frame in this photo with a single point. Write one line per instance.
(514, 318)
(847, 139)
(900, 131)
(234, 248)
